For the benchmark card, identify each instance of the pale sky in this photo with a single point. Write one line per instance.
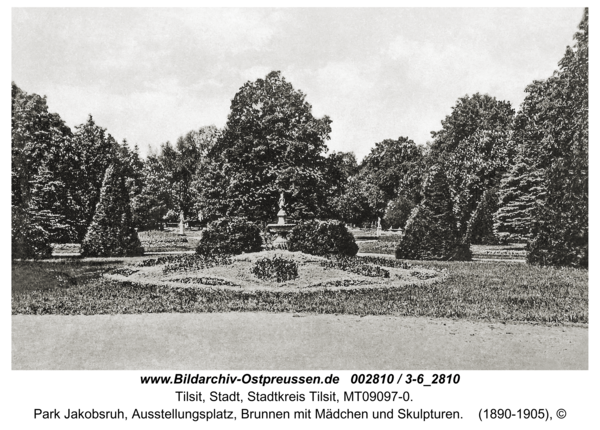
(151, 75)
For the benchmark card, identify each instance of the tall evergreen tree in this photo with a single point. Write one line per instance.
(480, 228)
(521, 191)
(95, 150)
(111, 232)
(36, 134)
(133, 170)
(28, 239)
(51, 205)
(522, 186)
(560, 224)
(432, 231)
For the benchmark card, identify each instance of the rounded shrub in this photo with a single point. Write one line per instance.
(230, 235)
(277, 268)
(322, 238)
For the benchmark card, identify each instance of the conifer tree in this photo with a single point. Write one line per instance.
(111, 232)
(96, 149)
(52, 207)
(432, 231)
(480, 227)
(133, 170)
(29, 240)
(521, 190)
(560, 224)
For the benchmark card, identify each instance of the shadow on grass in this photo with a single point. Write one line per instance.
(47, 275)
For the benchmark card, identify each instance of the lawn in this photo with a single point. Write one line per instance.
(168, 241)
(387, 245)
(235, 273)
(462, 290)
(382, 246)
(49, 275)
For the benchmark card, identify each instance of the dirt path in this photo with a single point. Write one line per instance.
(286, 341)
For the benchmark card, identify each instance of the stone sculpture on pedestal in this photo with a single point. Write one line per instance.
(282, 228)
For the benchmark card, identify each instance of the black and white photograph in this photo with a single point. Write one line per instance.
(272, 188)
(241, 198)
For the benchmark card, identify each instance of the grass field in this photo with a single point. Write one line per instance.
(48, 275)
(168, 241)
(387, 245)
(236, 272)
(468, 290)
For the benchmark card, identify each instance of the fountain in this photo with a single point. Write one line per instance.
(281, 228)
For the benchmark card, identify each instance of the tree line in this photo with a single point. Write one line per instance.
(496, 174)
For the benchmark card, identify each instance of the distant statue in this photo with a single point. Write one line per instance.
(379, 222)
(281, 201)
(181, 223)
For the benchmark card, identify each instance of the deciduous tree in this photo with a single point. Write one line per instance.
(396, 167)
(40, 175)
(271, 143)
(475, 150)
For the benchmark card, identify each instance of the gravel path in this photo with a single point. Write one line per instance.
(289, 341)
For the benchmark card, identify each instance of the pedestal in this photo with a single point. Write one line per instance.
(282, 229)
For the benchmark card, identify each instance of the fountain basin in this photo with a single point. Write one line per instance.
(281, 230)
